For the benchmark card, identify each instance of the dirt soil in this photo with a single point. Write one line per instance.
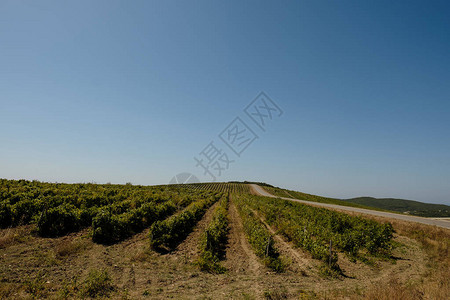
(45, 267)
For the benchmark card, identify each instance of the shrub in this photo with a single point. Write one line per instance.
(109, 228)
(24, 211)
(260, 238)
(106, 228)
(58, 221)
(5, 214)
(166, 235)
(214, 239)
(312, 229)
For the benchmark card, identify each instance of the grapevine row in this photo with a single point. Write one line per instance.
(259, 237)
(312, 229)
(166, 235)
(115, 212)
(230, 187)
(213, 240)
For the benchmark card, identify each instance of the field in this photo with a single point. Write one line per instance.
(208, 240)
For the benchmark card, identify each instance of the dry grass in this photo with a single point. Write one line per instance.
(7, 291)
(436, 282)
(7, 237)
(11, 236)
(68, 248)
(394, 290)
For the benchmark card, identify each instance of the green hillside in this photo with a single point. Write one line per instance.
(386, 204)
(404, 206)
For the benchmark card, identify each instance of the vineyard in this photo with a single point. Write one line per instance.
(259, 237)
(234, 188)
(213, 241)
(167, 234)
(115, 212)
(164, 241)
(317, 230)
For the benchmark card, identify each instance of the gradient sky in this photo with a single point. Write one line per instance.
(131, 91)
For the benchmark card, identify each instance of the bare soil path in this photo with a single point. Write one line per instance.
(188, 249)
(302, 262)
(239, 256)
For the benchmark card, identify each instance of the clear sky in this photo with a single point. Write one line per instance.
(132, 91)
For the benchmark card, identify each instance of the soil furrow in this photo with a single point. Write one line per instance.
(302, 260)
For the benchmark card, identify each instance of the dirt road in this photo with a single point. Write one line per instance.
(429, 221)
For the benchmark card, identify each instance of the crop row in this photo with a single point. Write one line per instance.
(213, 240)
(313, 228)
(167, 234)
(111, 223)
(109, 228)
(259, 237)
(231, 187)
(22, 202)
(115, 211)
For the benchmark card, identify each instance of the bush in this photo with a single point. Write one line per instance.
(312, 229)
(86, 215)
(214, 239)
(379, 237)
(109, 228)
(24, 211)
(58, 221)
(260, 238)
(166, 235)
(5, 214)
(106, 228)
(127, 209)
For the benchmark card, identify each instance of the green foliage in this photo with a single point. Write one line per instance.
(308, 197)
(259, 237)
(313, 228)
(109, 228)
(213, 240)
(210, 263)
(409, 206)
(166, 235)
(230, 187)
(122, 210)
(23, 211)
(5, 214)
(385, 204)
(58, 221)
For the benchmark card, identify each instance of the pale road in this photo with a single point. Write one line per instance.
(440, 223)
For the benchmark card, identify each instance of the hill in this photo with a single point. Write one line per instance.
(411, 207)
(404, 206)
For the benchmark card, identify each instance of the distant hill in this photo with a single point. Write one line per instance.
(404, 206)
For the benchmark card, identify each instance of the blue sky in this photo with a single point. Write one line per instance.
(116, 91)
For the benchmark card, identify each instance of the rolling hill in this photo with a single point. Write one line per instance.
(410, 207)
(404, 206)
